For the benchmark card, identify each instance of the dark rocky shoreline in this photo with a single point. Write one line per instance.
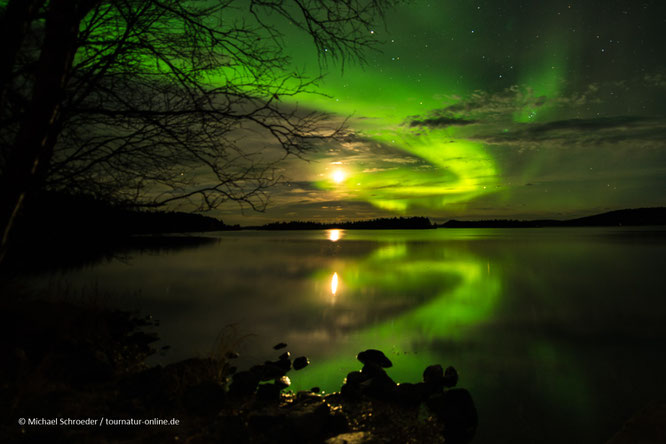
(77, 361)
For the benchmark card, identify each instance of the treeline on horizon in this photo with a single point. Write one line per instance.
(628, 217)
(383, 223)
(60, 215)
(70, 231)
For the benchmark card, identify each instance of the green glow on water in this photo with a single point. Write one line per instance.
(464, 292)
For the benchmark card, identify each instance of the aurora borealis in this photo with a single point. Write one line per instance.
(487, 110)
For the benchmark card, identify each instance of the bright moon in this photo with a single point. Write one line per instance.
(338, 176)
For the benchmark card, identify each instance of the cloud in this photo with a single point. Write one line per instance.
(604, 98)
(656, 79)
(600, 123)
(402, 160)
(328, 210)
(440, 122)
(375, 170)
(367, 153)
(638, 130)
(298, 186)
(595, 114)
(483, 105)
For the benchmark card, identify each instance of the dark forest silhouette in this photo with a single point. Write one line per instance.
(626, 217)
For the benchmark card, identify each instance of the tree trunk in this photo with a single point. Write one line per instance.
(19, 14)
(35, 139)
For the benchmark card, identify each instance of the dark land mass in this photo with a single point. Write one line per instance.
(627, 218)
(387, 223)
(63, 231)
(51, 214)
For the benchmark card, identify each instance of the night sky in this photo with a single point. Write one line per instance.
(509, 109)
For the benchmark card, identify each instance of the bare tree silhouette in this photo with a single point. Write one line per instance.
(142, 100)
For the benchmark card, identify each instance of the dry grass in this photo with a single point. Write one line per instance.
(225, 349)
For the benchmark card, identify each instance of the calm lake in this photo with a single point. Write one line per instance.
(558, 333)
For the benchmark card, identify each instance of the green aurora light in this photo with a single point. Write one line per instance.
(460, 170)
(496, 108)
(492, 104)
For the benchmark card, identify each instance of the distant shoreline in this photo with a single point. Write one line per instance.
(628, 217)
(59, 217)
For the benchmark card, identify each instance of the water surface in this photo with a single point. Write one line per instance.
(558, 333)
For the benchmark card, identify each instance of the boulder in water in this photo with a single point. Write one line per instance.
(301, 362)
(450, 377)
(372, 356)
